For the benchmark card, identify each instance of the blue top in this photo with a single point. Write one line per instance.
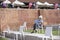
(38, 21)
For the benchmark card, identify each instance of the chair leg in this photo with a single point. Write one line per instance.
(16, 36)
(3, 34)
(38, 30)
(52, 38)
(42, 38)
(23, 37)
(46, 38)
(42, 29)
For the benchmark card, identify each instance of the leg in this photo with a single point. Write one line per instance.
(34, 28)
(42, 28)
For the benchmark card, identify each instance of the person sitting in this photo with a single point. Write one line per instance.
(37, 24)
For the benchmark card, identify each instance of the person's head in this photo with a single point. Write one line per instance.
(40, 17)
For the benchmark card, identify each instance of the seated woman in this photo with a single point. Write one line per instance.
(37, 24)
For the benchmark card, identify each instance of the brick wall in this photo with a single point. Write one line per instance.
(15, 18)
(51, 16)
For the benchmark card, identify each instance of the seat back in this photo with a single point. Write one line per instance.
(48, 31)
(21, 29)
(24, 24)
(8, 28)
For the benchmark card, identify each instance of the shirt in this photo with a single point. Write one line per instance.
(38, 21)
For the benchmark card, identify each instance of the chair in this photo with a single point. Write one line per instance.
(23, 27)
(7, 30)
(48, 33)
